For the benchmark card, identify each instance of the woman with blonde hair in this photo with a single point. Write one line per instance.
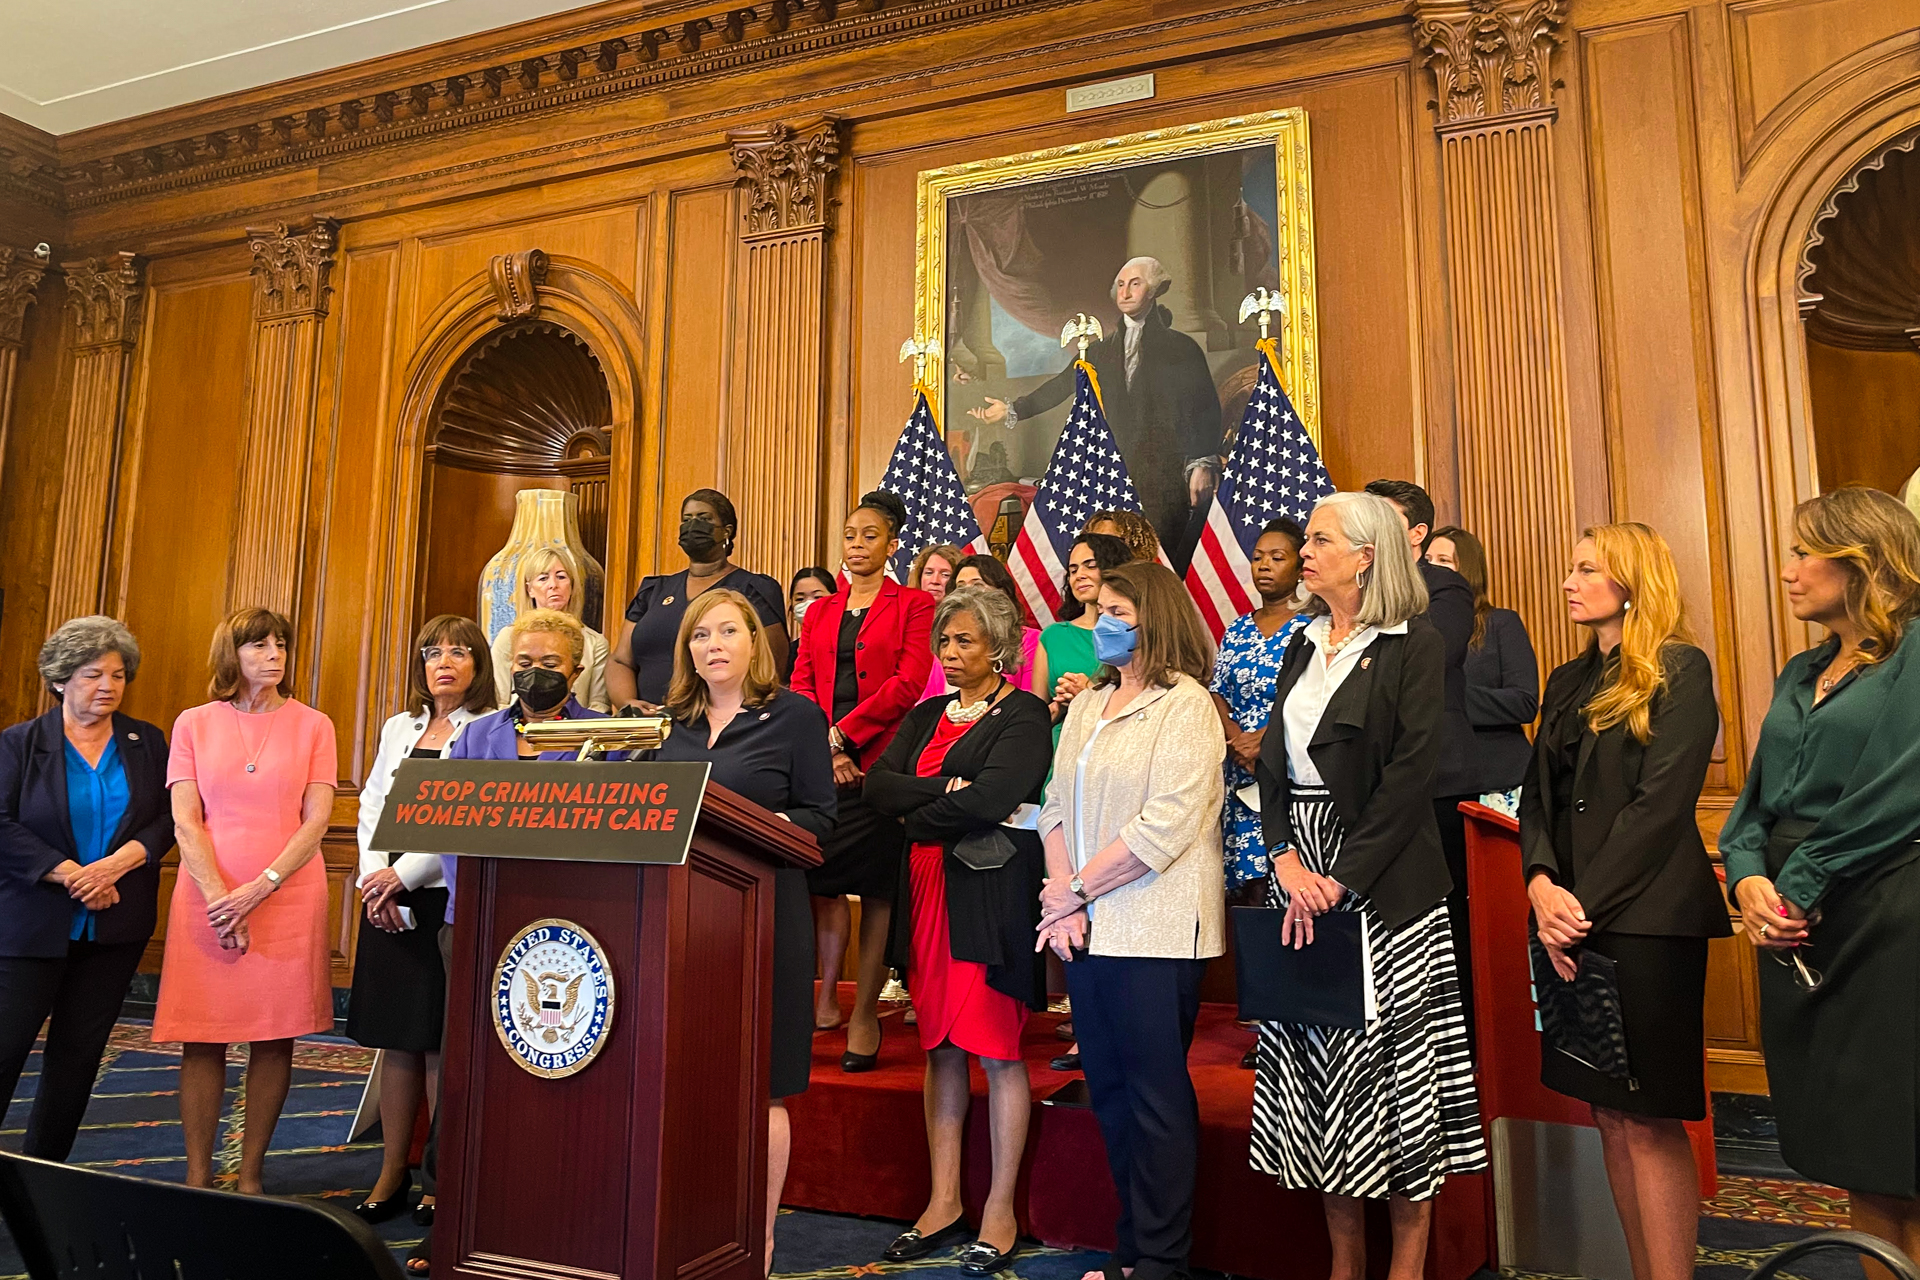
(550, 578)
(1822, 861)
(769, 745)
(1616, 869)
(252, 774)
(1131, 528)
(934, 571)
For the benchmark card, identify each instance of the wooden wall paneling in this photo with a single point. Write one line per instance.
(1661, 423)
(176, 538)
(20, 274)
(466, 520)
(104, 296)
(1779, 46)
(774, 443)
(1866, 415)
(449, 254)
(30, 497)
(292, 274)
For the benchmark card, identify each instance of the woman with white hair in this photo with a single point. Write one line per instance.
(84, 822)
(550, 578)
(1386, 1110)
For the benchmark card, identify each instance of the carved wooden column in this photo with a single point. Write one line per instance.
(20, 275)
(291, 281)
(775, 444)
(1490, 64)
(103, 295)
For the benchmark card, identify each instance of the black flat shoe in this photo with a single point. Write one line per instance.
(393, 1206)
(1251, 1058)
(981, 1259)
(910, 1245)
(1065, 1062)
(423, 1214)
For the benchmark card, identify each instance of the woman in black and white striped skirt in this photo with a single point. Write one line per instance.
(1388, 1110)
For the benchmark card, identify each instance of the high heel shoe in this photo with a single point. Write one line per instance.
(371, 1210)
(423, 1213)
(854, 1063)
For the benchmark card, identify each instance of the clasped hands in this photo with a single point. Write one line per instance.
(378, 892)
(92, 884)
(227, 914)
(1770, 920)
(1562, 922)
(1063, 918)
(1308, 894)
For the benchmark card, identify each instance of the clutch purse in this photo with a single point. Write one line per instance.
(987, 850)
(1582, 1018)
(1328, 983)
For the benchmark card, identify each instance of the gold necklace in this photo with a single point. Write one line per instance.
(272, 719)
(1837, 671)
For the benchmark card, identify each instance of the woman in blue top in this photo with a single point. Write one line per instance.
(1243, 685)
(84, 821)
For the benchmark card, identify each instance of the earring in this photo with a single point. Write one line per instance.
(1362, 576)
(999, 667)
(1627, 606)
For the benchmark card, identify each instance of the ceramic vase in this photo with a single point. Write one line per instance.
(541, 517)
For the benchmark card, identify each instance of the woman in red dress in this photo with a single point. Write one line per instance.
(961, 774)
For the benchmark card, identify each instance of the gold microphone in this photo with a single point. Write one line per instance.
(591, 737)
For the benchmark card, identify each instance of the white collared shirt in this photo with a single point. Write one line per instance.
(1319, 680)
(1131, 346)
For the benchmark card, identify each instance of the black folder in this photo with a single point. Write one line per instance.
(1323, 984)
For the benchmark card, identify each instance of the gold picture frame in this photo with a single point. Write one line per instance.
(1286, 131)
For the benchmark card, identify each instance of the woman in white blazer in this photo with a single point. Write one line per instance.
(399, 969)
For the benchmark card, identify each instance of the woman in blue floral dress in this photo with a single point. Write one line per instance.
(1243, 680)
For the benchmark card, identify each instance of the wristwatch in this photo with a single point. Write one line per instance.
(273, 877)
(1079, 889)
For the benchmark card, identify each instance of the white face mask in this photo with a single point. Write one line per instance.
(800, 610)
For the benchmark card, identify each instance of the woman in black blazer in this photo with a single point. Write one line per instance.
(84, 822)
(1503, 675)
(1387, 1110)
(1615, 865)
(958, 771)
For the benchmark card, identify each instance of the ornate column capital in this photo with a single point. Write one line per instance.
(788, 172)
(1489, 57)
(292, 272)
(104, 296)
(20, 275)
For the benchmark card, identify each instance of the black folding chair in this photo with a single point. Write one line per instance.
(1853, 1241)
(70, 1222)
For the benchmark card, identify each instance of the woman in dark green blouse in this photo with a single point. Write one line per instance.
(1822, 862)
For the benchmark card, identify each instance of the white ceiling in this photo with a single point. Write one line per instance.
(72, 64)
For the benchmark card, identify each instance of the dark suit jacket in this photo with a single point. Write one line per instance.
(36, 835)
(991, 915)
(893, 659)
(1450, 610)
(1637, 863)
(1503, 697)
(1167, 418)
(1376, 749)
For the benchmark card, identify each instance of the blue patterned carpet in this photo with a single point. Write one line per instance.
(133, 1126)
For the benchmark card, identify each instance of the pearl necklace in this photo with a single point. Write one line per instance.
(967, 715)
(1335, 646)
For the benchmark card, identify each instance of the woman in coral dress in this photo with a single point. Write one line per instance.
(252, 775)
(959, 769)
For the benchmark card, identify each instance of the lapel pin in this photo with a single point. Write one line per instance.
(994, 712)
(1365, 663)
(766, 715)
(668, 600)
(133, 737)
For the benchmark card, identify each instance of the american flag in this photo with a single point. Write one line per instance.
(921, 475)
(1274, 471)
(1085, 475)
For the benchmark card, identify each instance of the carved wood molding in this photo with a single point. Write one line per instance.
(292, 271)
(20, 276)
(516, 279)
(1859, 280)
(103, 295)
(787, 172)
(1489, 57)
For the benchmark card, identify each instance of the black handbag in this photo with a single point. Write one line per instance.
(1321, 985)
(987, 850)
(1583, 1018)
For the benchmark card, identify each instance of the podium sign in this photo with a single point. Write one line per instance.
(572, 811)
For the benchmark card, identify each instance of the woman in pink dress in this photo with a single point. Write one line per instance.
(958, 773)
(252, 776)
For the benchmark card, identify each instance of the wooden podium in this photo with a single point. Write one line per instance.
(651, 1161)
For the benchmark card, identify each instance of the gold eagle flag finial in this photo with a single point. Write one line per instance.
(1266, 303)
(919, 350)
(1082, 329)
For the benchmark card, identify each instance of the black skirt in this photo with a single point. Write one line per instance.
(862, 856)
(1663, 983)
(792, 984)
(1843, 1060)
(399, 995)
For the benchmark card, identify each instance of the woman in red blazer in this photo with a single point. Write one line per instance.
(864, 659)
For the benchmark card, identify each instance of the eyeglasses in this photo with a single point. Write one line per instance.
(453, 651)
(1804, 976)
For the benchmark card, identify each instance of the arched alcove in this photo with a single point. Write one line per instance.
(1860, 301)
(525, 407)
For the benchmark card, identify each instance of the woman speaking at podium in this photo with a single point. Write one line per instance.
(769, 745)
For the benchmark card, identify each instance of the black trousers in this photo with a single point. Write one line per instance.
(1134, 1017)
(81, 991)
(1453, 843)
(430, 1154)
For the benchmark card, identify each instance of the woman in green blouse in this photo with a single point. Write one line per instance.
(1822, 862)
(1065, 662)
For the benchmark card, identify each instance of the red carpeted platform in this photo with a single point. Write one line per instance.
(859, 1146)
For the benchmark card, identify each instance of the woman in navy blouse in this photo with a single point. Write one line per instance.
(84, 822)
(769, 745)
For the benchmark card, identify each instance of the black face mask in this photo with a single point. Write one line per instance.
(696, 537)
(540, 689)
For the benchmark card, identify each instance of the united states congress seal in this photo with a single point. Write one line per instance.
(553, 998)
